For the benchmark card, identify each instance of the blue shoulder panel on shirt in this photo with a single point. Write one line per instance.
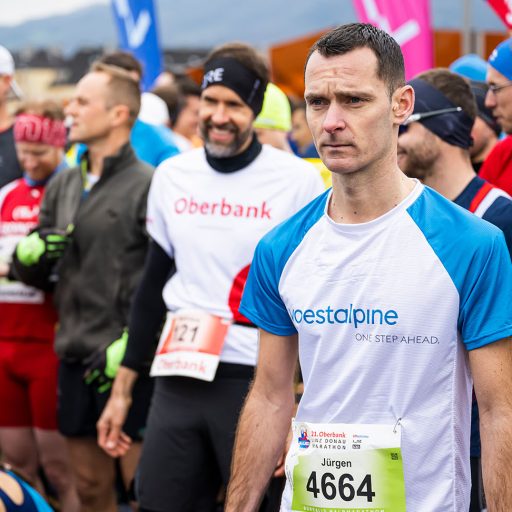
(475, 255)
(261, 301)
(152, 144)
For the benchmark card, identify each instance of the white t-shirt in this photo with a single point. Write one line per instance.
(386, 312)
(210, 223)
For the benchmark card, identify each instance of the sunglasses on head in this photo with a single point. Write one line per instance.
(413, 118)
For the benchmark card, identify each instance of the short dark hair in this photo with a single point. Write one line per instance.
(176, 95)
(171, 95)
(245, 54)
(187, 86)
(455, 87)
(122, 60)
(123, 89)
(345, 38)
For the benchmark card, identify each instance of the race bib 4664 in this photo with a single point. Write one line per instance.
(346, 468)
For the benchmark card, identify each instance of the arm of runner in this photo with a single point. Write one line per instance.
(148, 311)
(299, 389)
(110, 436)
(491, 367)
(279, 470)
(266, 416)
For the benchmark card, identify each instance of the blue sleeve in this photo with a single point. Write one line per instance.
(261, 301)
(475, 255)
(485, 312)
(167, 151)
(167, 147)
(152, 144)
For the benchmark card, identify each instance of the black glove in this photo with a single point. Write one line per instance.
(48, 244)
(102, 366)
(36, 256)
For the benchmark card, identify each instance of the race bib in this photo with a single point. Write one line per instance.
(346, 468)
(190, 345)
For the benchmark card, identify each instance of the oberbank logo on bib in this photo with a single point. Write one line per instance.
(353, 315)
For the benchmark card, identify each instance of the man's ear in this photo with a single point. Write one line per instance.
(402, 103)
(6, 79)
(121, 114)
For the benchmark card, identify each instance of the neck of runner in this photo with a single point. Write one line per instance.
(39, 183)
(451, 173)
(236, 162)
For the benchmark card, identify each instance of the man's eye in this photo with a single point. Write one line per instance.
(354, 100)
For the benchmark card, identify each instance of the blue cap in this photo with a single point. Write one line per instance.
(471, 66)
(501, 58)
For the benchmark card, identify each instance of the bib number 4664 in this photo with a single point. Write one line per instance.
(344, 487)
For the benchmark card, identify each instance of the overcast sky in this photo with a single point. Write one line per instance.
(14, 12)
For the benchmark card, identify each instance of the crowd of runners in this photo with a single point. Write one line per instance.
(215, 298)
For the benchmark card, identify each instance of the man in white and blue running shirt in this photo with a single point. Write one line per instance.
(394, 298)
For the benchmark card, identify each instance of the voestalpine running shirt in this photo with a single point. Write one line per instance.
(210, 223)
(386, 312)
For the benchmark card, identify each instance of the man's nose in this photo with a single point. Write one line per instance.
(69, 109)
(220, 115)
(490, 99)
(29, 163)
(334, 118)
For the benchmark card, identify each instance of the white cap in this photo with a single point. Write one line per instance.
(153, 109)
(7, 68)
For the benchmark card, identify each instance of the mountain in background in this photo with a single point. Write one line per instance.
(205, 23)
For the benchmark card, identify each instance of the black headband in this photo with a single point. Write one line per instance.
(230, 73)
(453, 127)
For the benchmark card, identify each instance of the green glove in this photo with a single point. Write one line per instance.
(48, 244)
(102, 366)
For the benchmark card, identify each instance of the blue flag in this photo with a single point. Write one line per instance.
(136, 24)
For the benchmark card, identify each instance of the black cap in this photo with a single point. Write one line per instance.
(480, 91)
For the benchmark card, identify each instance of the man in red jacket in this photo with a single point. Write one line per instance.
(28, 364)
(497, 168)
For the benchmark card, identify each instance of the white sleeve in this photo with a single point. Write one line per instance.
(156, 218)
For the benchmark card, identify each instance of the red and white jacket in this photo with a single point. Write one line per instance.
(26, 314)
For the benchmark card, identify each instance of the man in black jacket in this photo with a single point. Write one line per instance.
(101, 206)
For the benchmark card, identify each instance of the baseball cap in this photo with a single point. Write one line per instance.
(7, 68)
(501, 58)
(276, 111)
(471, 66)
